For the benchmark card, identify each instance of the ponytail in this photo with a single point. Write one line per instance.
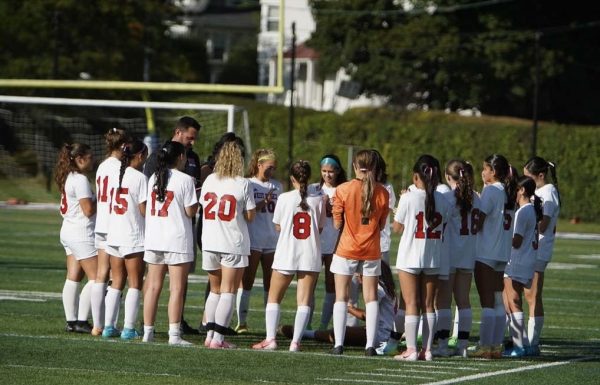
(507, 175)
(128, 151)
(538, 165)
(367, 162)
(428, 173)
(528, 184)
(66, 162)
(166, 158)
(537, 205)
(300, 170)
(462, 173)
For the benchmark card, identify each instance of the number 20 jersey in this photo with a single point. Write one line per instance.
(224, 228)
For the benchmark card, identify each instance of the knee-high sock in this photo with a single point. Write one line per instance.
(411, 328)
(428, 328)
(465, 322)
(501, 319)
(327, 310)
(534, 330)
(487, 326)
(455, 329)
(132, 304)
(113, 302)
(272, 312)
(340, 312)
(210, 307)
(302, 316)
(444, 320)
(223, 313)
(372, 316)
(97, 300)
(516, 328)
(85, 301)
(70, 299)
(243, 304)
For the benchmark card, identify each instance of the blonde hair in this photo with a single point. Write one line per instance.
(259, 156)
(230, 162)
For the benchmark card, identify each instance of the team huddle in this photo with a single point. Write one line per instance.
(141, 222)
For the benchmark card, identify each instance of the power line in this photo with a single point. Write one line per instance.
(420, 11)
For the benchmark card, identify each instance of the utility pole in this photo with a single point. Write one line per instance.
(536, 90)
(291, 110)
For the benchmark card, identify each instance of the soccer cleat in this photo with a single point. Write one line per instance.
(221, 345)
(82, 327)
(337, 350)
(241, 329)
(110, 332)
(425, 355)
(532, 351)
(370, 351)
(442, 351)
(129, 334)
(407, 355)
(178, 341)
(70, 326)
(515, 352)
(387, 348)
(481, 352)
(185, 328)
(453, 342)
(96, 331)
(148, 336)
(294, 347)
(265, 345)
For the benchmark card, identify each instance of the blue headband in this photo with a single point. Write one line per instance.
(330, 161)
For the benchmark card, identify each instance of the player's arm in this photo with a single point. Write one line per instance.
(277, 227)
(190, 211)
(142, 208)
(517, 241)
(543, 224)
(398, 228)
(358, 313)
(88, 206)
(249, 215)
(481, 219)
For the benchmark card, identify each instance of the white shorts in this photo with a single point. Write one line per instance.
(123, 251)
(540, 266)
(214, 261)
(166, 257)
(80, 250)
(418, 271)
(345, 266)
(100, 241)
(385, 256)
(498, 266)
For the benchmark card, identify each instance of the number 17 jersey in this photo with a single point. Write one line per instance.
(224, 228)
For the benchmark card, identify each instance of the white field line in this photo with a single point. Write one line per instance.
(371, 374)
(359, 381)
(416, 370)
(507, 371)
(127, 372)
(403, 368)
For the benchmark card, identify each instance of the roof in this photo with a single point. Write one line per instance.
(302, 52)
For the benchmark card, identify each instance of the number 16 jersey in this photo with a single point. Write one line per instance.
(224, 228)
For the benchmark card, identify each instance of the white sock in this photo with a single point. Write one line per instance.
(516, 328)
(411, 327)
(455, 330)
(534, 329)
(174, 331)
(210, 307)
(113, 302)
(85, 301)
(340, 312)
(70, 299)
(327, 310)
(148, 333)
(272, 313)
(465, 322)
(372, 315)
(420, 330)
(399, 321)
(500, 325)
(486, 328)
(243, 304)
(428, 328)
(132, 304)
(224, 311)
(443, 323)
(302, 316)
(97, 300)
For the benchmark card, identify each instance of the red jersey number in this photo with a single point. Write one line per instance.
(63, 204)
(431, 232)
(465, 229)
(121, 204)
(164, 210)
(301, 225)
(225, 210)
(102, 188)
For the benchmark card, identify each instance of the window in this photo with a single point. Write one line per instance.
(272, 19)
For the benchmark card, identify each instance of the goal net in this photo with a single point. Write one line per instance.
(33, 129)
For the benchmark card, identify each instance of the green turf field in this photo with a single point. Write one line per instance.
(34, 349)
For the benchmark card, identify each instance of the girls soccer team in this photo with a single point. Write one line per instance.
(446, 238)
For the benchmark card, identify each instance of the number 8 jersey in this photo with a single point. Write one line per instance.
(224, 228)
(421, 242)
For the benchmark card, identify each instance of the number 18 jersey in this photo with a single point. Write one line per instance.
(224, 228)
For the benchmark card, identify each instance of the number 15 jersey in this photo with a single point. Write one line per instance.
(224, 228)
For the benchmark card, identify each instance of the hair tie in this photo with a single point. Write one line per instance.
(551, 164)
(330, 161)
(266, 157)
(114, 130)
(363, 169)
(164, 149)
(510, 173)
(461, 172)
(428, 171)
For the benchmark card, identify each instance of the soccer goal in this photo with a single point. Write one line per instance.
(32, 129)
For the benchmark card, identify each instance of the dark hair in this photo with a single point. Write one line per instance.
(166, 158)
(114, 139)
(538, 165)
(386, 279)
(128, 151)
(367, 162)
(528, 184)
(66, 162)
(381, 174)
(341, 175)
(300, 170)
(426, 169)
(187, 121)
(462, 173)
(507, 175)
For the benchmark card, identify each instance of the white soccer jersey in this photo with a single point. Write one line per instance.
(262, 232)
(110, 166)
(493, 243)
(441, 188)
(76, 227)
(126, 223)
(224, 228)
(460, 235)
(330, 234)
(168, 228)
(385, 239)
(387, 314)
(299, 243)
(421, 242)
(522, 260)
(551, 207)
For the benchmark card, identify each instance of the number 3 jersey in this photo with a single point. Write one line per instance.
(126, 223)
(495, 239)
(421, 242)
(299, 244)
(76, 227)
(224, 228)
(168, 228)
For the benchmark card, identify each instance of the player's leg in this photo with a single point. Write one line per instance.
(230, 280)
(443, 313)
(461, 289)
(134, 265)
(178, 274)
(113, 295)
(304, 297)
(409, 287)
(428, 284)
(152, 289)
(70, 293)
(280, 283)
(329, 300)
(245, 290)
